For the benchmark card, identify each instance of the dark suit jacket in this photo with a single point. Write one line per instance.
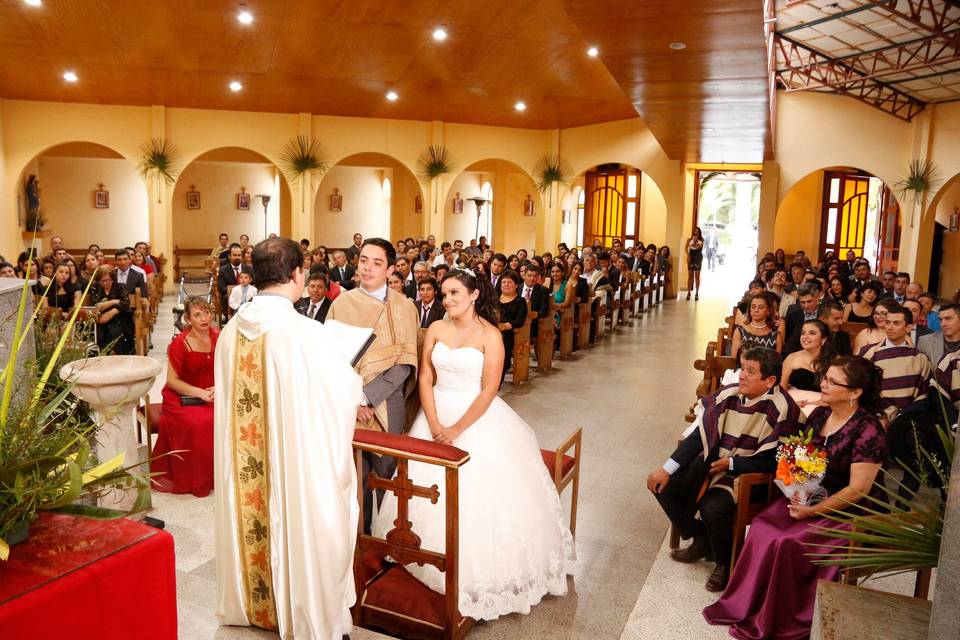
(135, 279)
(793, 321)
(410, 290)
(227, 277)
(436, 312)
(303, 306)
(841, 343)
(345, 280)
(540, 303)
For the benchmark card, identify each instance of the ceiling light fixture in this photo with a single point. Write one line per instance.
(593, 52)
(439, 34)
(33, 3)
(520, 106)
(235, 86)
(708, 130)
(244, 17)
(678, 46)
(392, 96)
(70, 76)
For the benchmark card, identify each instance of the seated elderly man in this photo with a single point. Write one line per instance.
(735, 431)
(421, 271)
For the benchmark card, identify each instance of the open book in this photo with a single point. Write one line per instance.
(347, 341)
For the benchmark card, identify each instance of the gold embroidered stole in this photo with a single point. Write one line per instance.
(251, 482)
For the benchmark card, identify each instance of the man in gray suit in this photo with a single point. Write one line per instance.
(947, 340)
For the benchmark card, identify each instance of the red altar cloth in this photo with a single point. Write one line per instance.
(89, 579)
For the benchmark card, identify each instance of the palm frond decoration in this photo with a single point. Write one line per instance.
(159, 160)
(922, 177)
(551, 169)
(301, 156)
(435, 161)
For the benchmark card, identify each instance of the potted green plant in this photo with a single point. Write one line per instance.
(550, 169)
(45, 434)
(434, 162)
(159, 161)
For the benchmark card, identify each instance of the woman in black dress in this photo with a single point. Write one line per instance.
(62, 293)
(694, 262)
(114, 322)
(803, 369)
(513, 313)
(864, 301)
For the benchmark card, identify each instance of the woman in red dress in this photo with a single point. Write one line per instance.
(188, 429)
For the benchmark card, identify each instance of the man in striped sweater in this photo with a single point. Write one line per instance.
(906, 371)
(735, 431)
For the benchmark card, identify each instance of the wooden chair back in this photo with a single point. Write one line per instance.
(565, 469)
(853, 329)
(388, 596)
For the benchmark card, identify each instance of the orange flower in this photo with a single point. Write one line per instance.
(254, 499)
(783, 472)
(250, 434)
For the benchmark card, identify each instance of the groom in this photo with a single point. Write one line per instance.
(389, 367)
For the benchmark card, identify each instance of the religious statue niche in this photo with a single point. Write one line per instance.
(528, 209)
(193, 198)
(458, 204)
(336, 200)
(34, 219)
(243, 200)
(101, 197)
(418, 204)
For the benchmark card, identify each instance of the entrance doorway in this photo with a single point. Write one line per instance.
(728, 213)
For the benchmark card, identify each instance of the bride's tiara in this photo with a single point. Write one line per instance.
(468, 272)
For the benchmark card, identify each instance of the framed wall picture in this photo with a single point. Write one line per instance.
(101, 197)
(336, 200)
(458, 204)
(243, 201)
(418, 204)
(528, 209)
(193, 198)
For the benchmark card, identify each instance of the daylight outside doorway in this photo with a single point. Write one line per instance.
(728, 213)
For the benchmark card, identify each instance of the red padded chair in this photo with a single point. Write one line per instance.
(389, 598)
(565, 469)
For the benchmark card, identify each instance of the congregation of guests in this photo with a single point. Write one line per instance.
(798, 372)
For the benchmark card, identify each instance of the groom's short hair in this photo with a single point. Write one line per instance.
(274, 261)
(387, 247)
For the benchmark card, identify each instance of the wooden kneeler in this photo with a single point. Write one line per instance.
(565, 469)
(389, 598)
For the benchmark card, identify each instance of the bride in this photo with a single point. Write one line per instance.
(514, 545)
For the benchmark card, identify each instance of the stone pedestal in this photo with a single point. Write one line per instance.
(10, 290)
(112, 386)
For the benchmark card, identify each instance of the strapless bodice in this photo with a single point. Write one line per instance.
(458, 370)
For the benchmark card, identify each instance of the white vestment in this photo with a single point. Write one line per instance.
(311, 508)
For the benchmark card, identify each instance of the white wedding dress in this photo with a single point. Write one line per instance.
(514, 544)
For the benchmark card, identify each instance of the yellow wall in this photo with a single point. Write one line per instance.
(218, 184)
(798, 218)
(463, 226)
(366, 209)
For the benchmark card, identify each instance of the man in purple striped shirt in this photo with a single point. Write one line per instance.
(906, 371)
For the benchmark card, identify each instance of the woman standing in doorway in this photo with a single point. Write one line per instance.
(694, 262)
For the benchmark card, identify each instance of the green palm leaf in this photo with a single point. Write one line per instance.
(922, 177)
(160, 160)
(435, 161)
(549, 170)
(302, 156)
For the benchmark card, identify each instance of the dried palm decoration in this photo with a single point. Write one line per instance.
(301, 156)
(159, 160)
(551, 169)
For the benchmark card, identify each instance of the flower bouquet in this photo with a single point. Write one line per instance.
(800, 468)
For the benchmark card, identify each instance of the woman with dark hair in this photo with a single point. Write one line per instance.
(758, 328)
(563, 295)
(864, 300)
(186, 421)
(114, 322)
(837, 291)
(694, 262)
(22, 269)
(513, 313)
(780, 258)
(513, 262)
(665, 267)
(62, 293)
(875, 331)
(247, 258)
(773, 586)
(507, 500)
(580, 287)
(803, 369)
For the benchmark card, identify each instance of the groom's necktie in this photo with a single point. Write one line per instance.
(312, 312)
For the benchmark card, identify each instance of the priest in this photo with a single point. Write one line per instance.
(286, 486)
(389, 366)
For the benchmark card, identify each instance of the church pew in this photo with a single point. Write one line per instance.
(141, 334)
(648, 290)
(389, 598)
(546, 333)
(186, 259)
(661, 286)
(582, 325)
(600, 319)
(521, 353)
(567, 326)
(638, 303)
(853, 329)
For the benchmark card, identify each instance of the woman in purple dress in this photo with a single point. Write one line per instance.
(772, 589)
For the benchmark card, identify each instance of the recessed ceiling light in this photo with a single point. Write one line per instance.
(244, 17)
(520, 106)
(392, 96)
(439, 34)
(593, 52)
(70, 76)
(708, 130)
(235, 86)
(33, 3)
(677, 46)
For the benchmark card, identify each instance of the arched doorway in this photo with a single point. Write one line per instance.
(89, 194)
(217, 193)
(368, 193)
(840, 209)
(509, 220)
(944, 211)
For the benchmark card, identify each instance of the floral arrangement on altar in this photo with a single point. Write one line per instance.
(800, 467)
